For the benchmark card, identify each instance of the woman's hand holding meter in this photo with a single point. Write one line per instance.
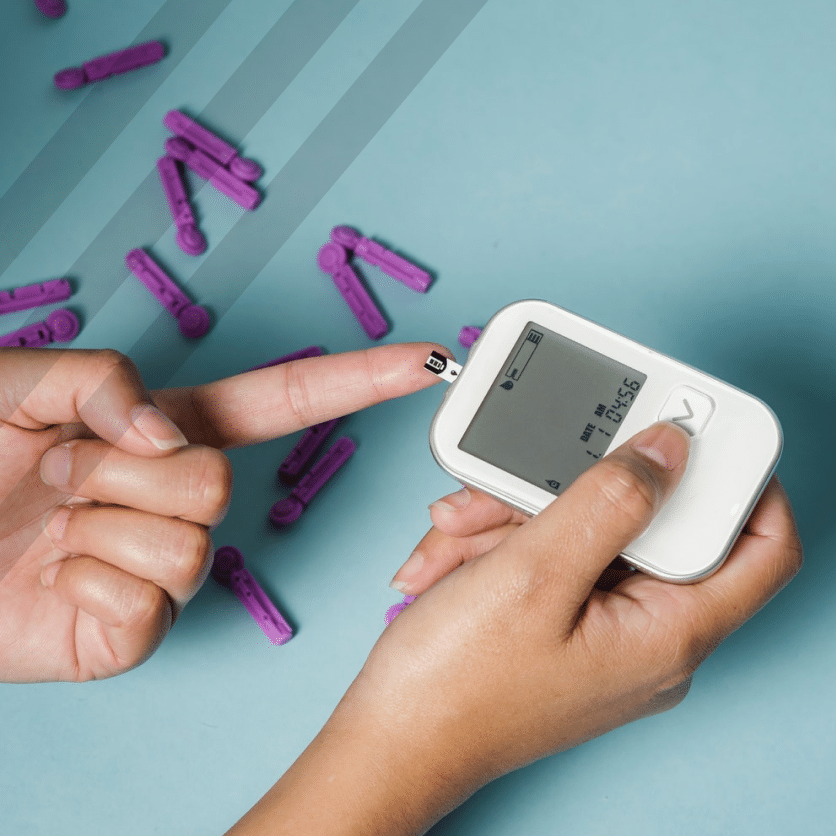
(525, 640)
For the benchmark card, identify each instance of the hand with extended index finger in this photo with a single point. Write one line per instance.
(107, 491)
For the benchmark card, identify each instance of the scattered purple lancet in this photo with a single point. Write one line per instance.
(393, 612)
(192, 319)
(333, 259)
(292, 468)
(60, 326)
(376, 254)
(288, 510)
(203, 139)
(113, 63)
(310, 351)
(51, 8)
(189, 237)
(34, 295)
(468, 335)
(218, 176)
(228, 570)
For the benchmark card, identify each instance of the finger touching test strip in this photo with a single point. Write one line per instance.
(228, 570)
(192, 319)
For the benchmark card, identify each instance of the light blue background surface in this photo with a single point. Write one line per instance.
(664, 168)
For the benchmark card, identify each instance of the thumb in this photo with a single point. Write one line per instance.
(99, 388)
(574, 539)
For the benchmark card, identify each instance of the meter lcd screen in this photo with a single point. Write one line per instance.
(552, 410)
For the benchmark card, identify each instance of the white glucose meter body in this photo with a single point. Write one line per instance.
(545, 393)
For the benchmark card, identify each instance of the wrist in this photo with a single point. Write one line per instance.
(363, 774)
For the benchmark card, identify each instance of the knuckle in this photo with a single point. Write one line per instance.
(208, 483)
(298, 395)
(188, 548)
(626, 490)
(110, 360)
(139, 604)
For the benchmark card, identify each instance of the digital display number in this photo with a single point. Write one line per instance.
(597, 437)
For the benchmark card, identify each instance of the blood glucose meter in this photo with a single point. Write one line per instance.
(545, 393)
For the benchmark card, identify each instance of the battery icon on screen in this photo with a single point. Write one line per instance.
(524, 354)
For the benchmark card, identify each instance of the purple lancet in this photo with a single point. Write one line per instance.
(192, 319)
(34, 295)
(113, 63)
(228, 570)
(189, 238)
(393, 612)
(60, 326)
(180, 124)
(468, 335)
(291, 469)
(393, 265)
(51, 8)
(310, 351)
(218, 176)
(286, 511)
(352, 290)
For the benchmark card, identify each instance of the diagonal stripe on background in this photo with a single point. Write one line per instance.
(45, 183)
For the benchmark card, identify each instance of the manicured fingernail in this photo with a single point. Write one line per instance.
(56, 523)
(56, 465)
(150, 423)
(49, 572)
(454, 502)
(665, 443)
(402, 582)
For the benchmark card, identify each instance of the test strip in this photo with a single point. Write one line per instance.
(34, 295)
(445, 368)
(189, 238)
(212, 145)
(286, 511)
(114, 63)
(207, 168)
(60, 326)
(291, 469)
(228, 569)
(192, 319)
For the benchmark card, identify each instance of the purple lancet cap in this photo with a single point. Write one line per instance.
(286, 511)
(189, 237)
(192, 319)
(228, 570)
(51, 8)
(468, 335)
(346, 236)
(34, 295)
(291, 469)
(393, 265)
(331, 257)
(361, 304)
(182, 125)
(393, 612)
(60, 326)
(310, 351)
(114, 63)
(218, 176)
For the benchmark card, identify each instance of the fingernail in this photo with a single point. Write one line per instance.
(402, 582)
(56, 465)
(56, 524)
(454, 502)
(49, 572)
(152, 424)
(665, 443)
